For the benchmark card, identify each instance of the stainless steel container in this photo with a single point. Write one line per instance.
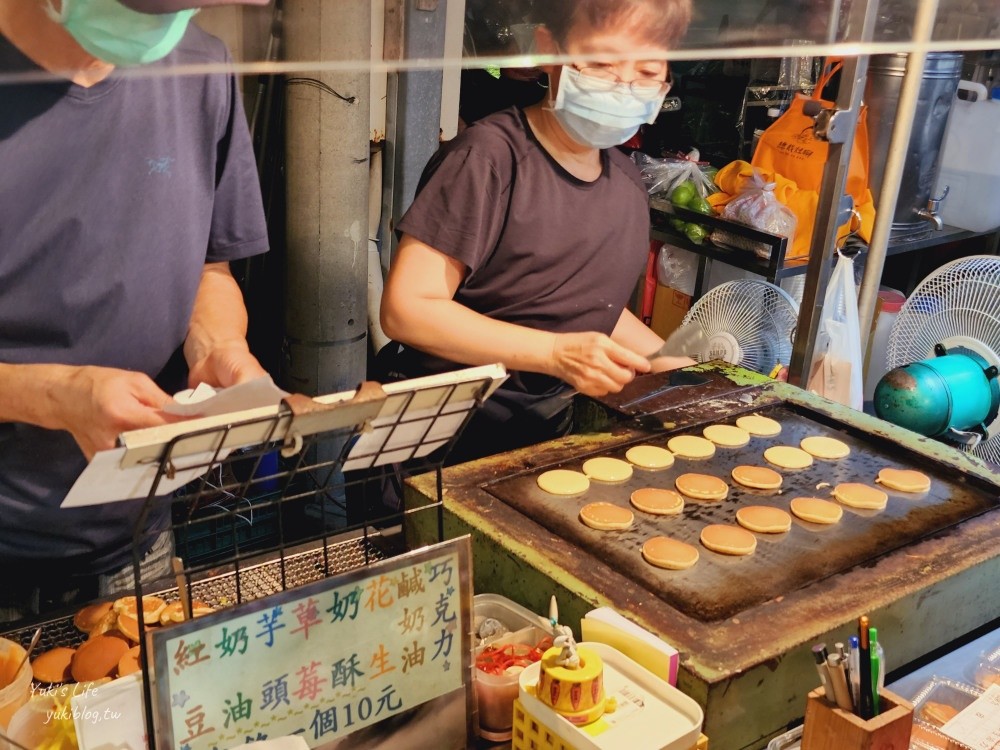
(915, 213)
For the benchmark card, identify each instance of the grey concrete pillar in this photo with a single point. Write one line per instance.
(327, 135)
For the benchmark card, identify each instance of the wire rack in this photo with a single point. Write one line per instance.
(325, 477)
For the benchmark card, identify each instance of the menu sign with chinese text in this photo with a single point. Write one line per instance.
(321, 661)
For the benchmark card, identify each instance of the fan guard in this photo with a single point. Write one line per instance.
(958, 306)
(747, 322)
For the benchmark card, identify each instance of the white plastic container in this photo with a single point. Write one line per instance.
(892, 303)
(970, 162)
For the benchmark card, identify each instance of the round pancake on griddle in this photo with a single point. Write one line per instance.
(606, 516)
(691, 446)
(563, 482)
(760, 426)
(728, 540)
(701, 486)
(650, 457)
(764, 519)
(757, 477)
(825, 447)
(857, 495)
(664, 552)
(904, 480)
(659, 502)
(605, 469)
(727, 435)
(816, 510)
(788, 457)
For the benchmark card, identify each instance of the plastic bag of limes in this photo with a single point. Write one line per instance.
(686, 181)
(688, 194)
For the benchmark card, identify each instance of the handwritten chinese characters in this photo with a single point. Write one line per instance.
(322, 661)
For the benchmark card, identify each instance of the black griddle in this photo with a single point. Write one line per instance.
(720, 586)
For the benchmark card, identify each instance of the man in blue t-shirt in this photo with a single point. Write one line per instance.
(122, 201)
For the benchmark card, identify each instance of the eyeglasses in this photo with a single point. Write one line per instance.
(603, 79)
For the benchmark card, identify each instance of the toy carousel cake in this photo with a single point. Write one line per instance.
(571, 680)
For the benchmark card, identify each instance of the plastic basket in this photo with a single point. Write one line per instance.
(530, 733)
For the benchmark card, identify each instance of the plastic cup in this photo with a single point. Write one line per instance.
(15, 689)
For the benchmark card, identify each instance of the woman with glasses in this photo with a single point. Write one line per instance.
(530, 230)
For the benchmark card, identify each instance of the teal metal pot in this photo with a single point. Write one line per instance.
(948, 392)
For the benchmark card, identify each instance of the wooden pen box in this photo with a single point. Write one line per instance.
(830, 728)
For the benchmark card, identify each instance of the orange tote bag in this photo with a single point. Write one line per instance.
(790, 148)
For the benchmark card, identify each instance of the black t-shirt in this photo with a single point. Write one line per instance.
(112, 200)
(543, 248)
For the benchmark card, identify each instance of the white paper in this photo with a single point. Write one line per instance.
(423, 432)
(104, 481)
(978, 725)
(206, 401)
(111, 717)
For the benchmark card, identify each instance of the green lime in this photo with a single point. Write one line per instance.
(696, 233)
(683, 194)
(701, 206)
(679, 224)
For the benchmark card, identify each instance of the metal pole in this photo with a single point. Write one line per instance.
(839, 127)
(392, 49)
(327, 152)
(895, 162)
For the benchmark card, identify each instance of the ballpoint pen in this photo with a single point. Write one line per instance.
(838, 679)
(876, 667)
(819, 656)
(865, 669)
(881, 664)
(854, 671)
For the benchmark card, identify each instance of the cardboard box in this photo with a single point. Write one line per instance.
(669, 308)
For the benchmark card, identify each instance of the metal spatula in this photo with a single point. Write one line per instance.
(687, 341)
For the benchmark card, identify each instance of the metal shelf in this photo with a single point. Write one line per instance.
(935, 238)
(777, 268)
(773, 269)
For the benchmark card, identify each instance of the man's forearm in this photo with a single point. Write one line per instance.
(26, 393)
(219, 315)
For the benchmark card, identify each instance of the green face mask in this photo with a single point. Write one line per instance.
(119, 35)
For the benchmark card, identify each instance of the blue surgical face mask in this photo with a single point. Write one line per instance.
(601, 117)
(121, 36)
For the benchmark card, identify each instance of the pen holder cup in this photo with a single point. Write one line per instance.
(830, 728)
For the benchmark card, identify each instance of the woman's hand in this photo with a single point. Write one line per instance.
(96, 404)
(594, 364)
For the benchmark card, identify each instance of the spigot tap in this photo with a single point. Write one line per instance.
(931, 212)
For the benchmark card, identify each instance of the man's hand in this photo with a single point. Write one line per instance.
(216, 346)
(594, 364)
(96, 404)
(224, 365)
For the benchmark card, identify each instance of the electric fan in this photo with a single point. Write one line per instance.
(943, 348)
(747, 322)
